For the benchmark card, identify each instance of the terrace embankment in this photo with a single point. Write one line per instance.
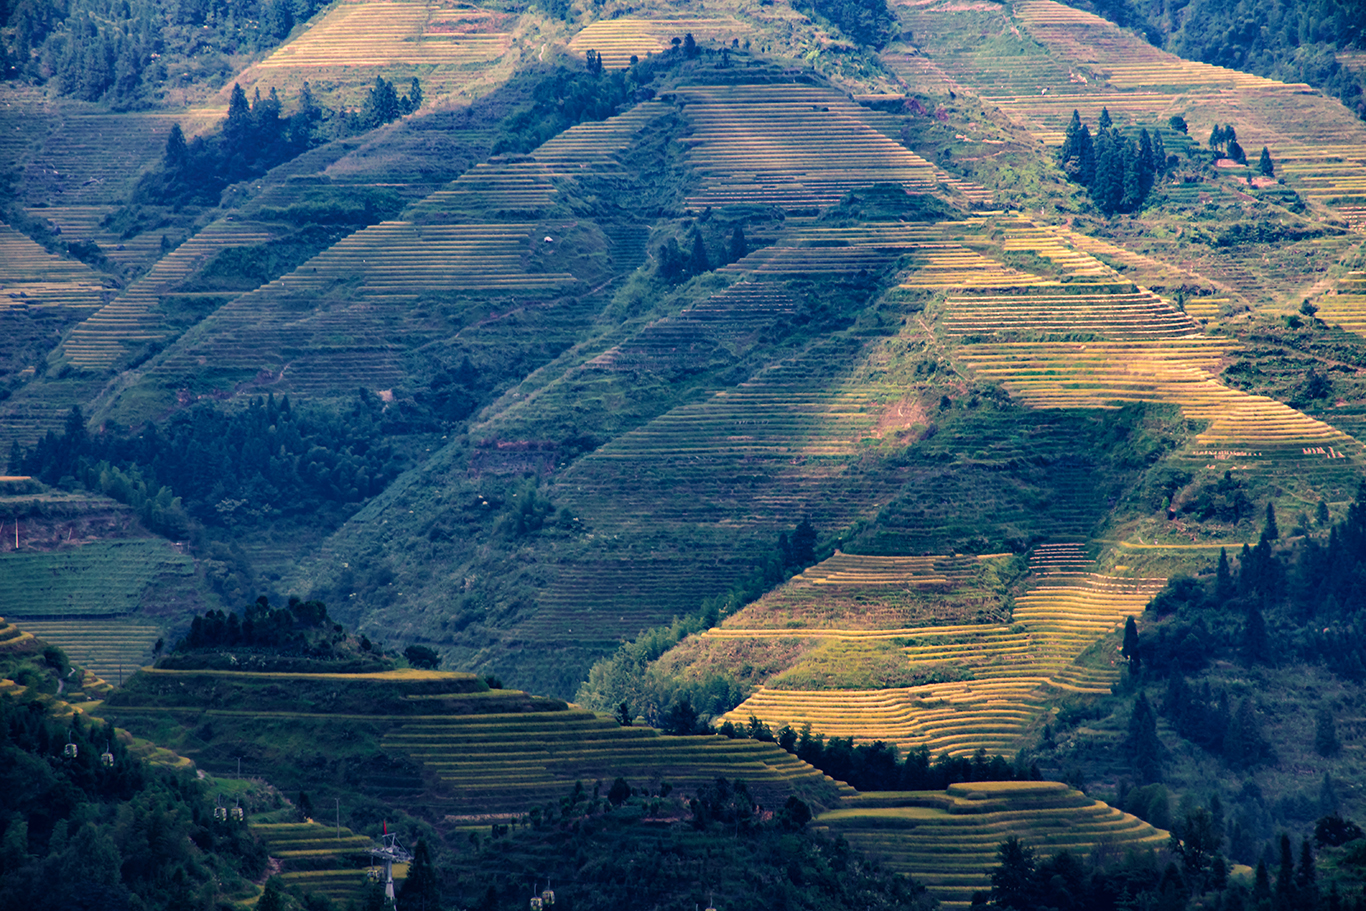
(429, 739)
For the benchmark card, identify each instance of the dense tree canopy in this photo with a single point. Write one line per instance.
(228, 468)
(100, 829)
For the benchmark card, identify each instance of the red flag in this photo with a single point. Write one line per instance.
(386, 827)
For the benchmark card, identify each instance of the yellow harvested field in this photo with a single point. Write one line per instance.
(1015, 667)
(374, 33)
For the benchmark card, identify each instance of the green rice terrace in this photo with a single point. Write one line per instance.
(437, 739)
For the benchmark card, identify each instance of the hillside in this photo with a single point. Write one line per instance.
(763, 362)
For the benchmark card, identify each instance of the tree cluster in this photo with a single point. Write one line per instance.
(1207, 717)
(1305, 600)
(228, 468)
(260, 626)
(868, 22)
(255, 137)
(875, 766)
(127, 53)
(564, 98)
(86, 831)
(1224, 141)
(717, 846)
(1118, 170)
(674, 265)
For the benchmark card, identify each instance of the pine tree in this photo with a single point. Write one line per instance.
(177, 153)
(698, 262)
(1104, 122)
(1306, 876)
(1270, 532)
(1130, 649)
(1261, 888)
(1285, 874)
(1326, 741)
(1147, 165)
(1223, 579)
(238, 124)
(1144, 747)
(1256, 643)
(1265, 165)
(739, 247)
(421, 891)
(1013, 882)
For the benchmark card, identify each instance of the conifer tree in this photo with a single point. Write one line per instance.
(177, 153)
(739, 247)
(1265, 165)
(1326, 741)
(421, 891)
(1104, 122)
(1130, 649)
(1223, 579)
(1256, 643)
(698, 262)
(1285, 874)
(1270, 532)
(1144, 747)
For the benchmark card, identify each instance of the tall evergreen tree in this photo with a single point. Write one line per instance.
(421, 891)
(1269, 531)
(1144, 747)
(739, 247)
(1130, 649)
(698, 262)
(177, 153)
(1223, 579)
(1326, 741)
(1264, 164)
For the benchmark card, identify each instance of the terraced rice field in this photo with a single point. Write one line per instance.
(1244, 429)
(795, 146)
(596, 146)
(1345, 306)
(92, 158)
(948, 839)
(328, 860)
(14, 640)
(496, 752)
(99, 579)
(616, 41)
(132, 318)
(855, 596)
(1017, 665)
(1068, 310)
(494, 762)
(329, 326)
(32, 278)
(111, 648)
(84, 223)
(379, 33)
(1064, 59)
